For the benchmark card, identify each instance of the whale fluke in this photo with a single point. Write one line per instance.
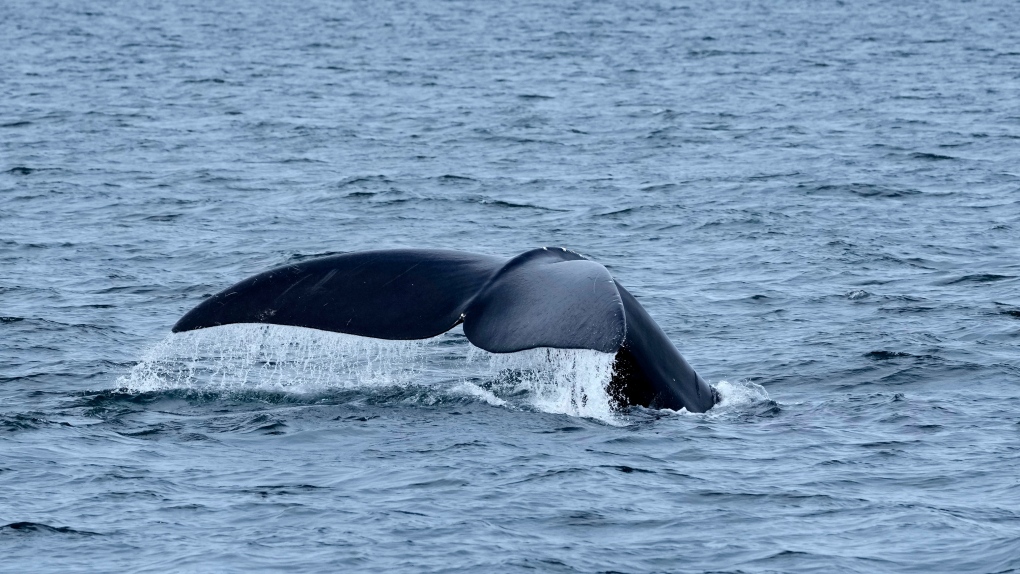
(548, 297)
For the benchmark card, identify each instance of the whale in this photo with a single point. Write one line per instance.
(547, 297)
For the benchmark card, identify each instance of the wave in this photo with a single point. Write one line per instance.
(39, 528)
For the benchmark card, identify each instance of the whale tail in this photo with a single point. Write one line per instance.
(548, 297)
(542, 298)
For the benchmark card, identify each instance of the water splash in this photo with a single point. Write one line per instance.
(567, 381)
(276, 358)
(740, 395)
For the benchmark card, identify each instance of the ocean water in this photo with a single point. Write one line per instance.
(819, 202)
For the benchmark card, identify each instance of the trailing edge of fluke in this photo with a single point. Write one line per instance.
(548, 297)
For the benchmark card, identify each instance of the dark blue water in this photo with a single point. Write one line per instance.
(819, 202)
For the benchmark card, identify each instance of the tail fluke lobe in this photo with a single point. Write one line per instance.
(392, 294)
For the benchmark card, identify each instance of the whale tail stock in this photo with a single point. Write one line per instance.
(548, 297)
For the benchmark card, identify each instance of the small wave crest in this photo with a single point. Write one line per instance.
(39, 528)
